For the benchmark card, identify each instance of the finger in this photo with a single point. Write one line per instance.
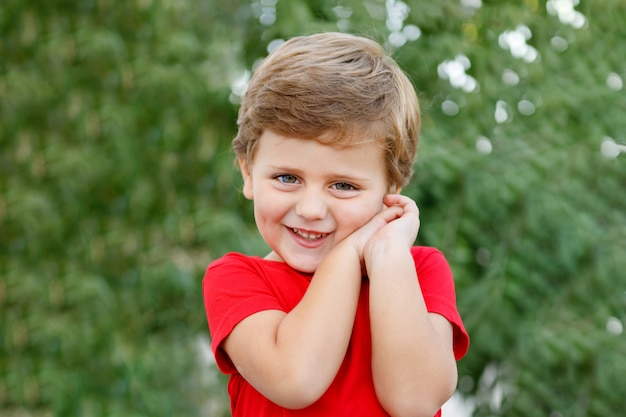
(390, 213)
(396, 199)
(378, 221)
(384, 216)
(402, 201)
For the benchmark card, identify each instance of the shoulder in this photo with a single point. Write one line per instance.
(425, 251)
(233, 263)
(433, 271)
(233, 258)
(229, 270)
(238, 269)
(427, 256)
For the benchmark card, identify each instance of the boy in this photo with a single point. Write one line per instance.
(344, 317)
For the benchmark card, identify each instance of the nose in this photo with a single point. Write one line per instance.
(311, 205)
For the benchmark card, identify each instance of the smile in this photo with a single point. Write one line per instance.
(308, 235)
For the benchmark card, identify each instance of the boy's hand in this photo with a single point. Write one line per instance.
(397, 223)
(399, 231)
(361, 237)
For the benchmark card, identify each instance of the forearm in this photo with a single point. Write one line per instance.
(292, 358)
(314, 336)
(413, 365)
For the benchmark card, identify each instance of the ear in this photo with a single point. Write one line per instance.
(247, 179)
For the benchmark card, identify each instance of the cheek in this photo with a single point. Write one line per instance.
(268, 207)
(261, 210)
(356, 216)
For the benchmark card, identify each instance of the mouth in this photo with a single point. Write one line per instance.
(310, 236)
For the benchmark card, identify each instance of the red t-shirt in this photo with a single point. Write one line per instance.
(237, 286)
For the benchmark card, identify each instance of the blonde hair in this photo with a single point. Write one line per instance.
(335, 88)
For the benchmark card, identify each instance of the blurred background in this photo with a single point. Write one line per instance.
(117, 188)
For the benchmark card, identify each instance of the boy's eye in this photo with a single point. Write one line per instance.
(287, 179)
(343, 186)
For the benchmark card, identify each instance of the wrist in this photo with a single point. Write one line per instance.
(387, 251)
(348, 249)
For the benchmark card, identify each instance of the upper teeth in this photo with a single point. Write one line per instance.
(307, 235)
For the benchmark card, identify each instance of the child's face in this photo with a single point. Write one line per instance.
(309, 196)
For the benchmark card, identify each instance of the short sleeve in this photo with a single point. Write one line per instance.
(234, 287)
(437, 284)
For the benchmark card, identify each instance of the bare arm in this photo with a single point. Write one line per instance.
(412, 357)
(292, 358)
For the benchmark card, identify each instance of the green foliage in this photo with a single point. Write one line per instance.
(117, 188)
(116, 192)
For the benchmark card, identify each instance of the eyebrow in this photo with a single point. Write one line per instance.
(334, 174)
